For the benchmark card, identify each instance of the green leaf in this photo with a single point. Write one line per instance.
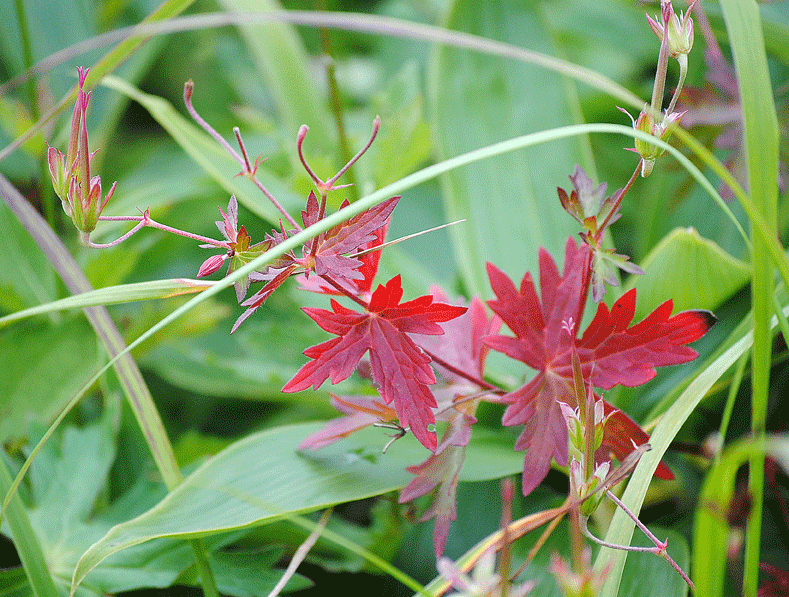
(403, 143)
(44, 365)
(29, 549)
(26, 277)
(510, 201)
(282, 61)
(647, 575)
(262, 478)
(760, 136)
(693, 271)
(124, 293)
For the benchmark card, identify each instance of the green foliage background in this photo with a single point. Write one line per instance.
(225, 488)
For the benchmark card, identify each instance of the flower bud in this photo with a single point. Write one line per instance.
(680, 31)
(646, 123)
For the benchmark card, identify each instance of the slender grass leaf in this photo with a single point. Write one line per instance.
(111, 295)
(760, 132)
(28, 547)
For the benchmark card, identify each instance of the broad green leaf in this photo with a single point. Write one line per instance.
(204, 150)
(26, 277)
(262, 478)
(510, 201)
(648, 575)
(44, 365)
(250, 574)
(124, 293)
(254, 363)
(693, 271)
(403, 142)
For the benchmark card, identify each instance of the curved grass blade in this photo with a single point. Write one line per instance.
(124, 293)
(621, 528)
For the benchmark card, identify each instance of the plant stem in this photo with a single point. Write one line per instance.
(464, 374)
(146, 221)
(662, 65)
(336, 103)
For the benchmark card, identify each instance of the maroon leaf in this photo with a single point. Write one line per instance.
(359, 412)
(399, 368)
(333, 245)
(609, 351)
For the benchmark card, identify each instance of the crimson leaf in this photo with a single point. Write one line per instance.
(611, 353)
(400, 369)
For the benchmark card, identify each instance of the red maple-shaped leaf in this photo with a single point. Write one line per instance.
(332, 248)
(399, 368)
(330, 254)
(610, 352)
(368, 269)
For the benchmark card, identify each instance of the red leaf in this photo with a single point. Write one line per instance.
(359, 412)
(333, 245)
(611, 353)
(400, 369)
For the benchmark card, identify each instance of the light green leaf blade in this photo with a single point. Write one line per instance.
(509, 202)
(262, 478)
(44, 365)
(695, 272)
(111, 295)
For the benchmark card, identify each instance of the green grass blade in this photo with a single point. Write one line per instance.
(621, 528)
(27, 544)
(760, 129)
(124, 293)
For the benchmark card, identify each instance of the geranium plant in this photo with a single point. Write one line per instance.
(534, 354)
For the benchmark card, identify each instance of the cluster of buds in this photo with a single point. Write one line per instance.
(675, 33)
(583, 484)
(680, 29)
(80, 194)
(646, 123)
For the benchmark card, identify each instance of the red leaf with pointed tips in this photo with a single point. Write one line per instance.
(333, 246)
(611, 353)
(400, 369)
